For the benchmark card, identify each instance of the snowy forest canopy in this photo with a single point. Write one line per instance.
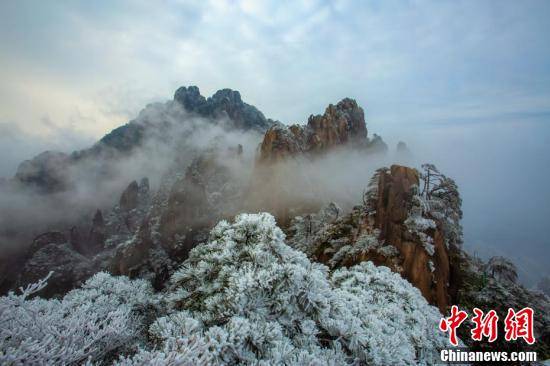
(242, 297)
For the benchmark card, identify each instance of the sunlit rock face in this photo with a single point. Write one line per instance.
(395, 190)
(342, 124)
(280, 180)
(388, 230)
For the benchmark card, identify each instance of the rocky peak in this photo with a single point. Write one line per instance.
(341, 125)
(190, 98)
(96, 238)
(48, 171)
(388, 230)
(98, 221)
(419, 239)
(402, 147)
(206, 193)
(227, 97)
(129, 198)
(93, 243)
(225, 103)
(281, 142)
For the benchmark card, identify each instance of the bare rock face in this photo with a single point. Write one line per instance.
(281, 142)
(381, 231)
(51, 237)
(129, 198)
(224, 104)
(198, 200)
(190, 98)
(129, 259)
(96, 238)
(341, 124)
(285, 148)
(52, 252)
(179, 216)
(395, 191)
(93, 242)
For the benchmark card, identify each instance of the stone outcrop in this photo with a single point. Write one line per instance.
(378, 231)
(284, 149)
(206, 194)
(129, 198)
(52, 252)
(225, 103)
(180, 216)
(51, 237)
(395, 190)
(70, 269)
(93, 242)
(129, 259)
(97, 235)
(342, 124)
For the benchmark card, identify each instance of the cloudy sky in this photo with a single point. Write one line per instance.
(465, 83)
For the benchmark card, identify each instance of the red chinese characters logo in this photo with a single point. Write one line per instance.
(451, 323)
(516, 325)
(485, 325)
(519, 325)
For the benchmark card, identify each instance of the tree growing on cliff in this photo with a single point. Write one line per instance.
(442, 201)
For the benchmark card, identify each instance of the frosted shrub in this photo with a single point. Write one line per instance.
(395, 320)
(247, 297)
(86, 324)
(309, 228)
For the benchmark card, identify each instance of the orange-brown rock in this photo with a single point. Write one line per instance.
(281, 142)
(278, 171)
(395, 190)
(341, 124)
(397, 247)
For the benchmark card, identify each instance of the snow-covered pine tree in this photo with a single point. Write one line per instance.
(247, 297)
(103, 316)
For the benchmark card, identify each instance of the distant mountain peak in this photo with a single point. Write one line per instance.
(225, 103)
